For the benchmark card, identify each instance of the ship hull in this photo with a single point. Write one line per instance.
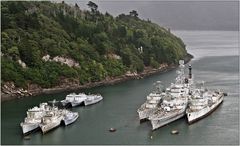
(87, 102)
(143, 115)
(196, 116)
(47, 127)
(159, 123)
(29, 127)
(70, 121)
(65, 103)
(74, 104)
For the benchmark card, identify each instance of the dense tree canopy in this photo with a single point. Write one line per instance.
(103, 45)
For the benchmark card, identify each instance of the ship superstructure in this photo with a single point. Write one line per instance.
(51, 119)
(171, 109)
(202, 102)
(152, 102)
(74, 99)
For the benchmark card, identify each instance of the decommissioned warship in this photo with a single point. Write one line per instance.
(202, 103)
(34, 118)
(174, 104)
(180, 99)
(152, 102)
(46, 117)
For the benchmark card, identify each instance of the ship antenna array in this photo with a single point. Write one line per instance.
(181, 71)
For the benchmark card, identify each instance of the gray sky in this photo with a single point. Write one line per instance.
(178, 15)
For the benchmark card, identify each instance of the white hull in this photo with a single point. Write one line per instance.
(28, 127)
(49, 126)
(144, 114)
(76, 103)
(159, 123)
(70, 121)
(196, 115)
(89, 102)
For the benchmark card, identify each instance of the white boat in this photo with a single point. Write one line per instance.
(51, 120)
(33, 119)
(69, 117)
(92, 99)
(74, 99)
(202, 104)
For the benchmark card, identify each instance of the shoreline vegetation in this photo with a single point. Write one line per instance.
(49, 47)
(16, 93)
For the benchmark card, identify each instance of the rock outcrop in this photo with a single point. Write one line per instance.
(68, 61)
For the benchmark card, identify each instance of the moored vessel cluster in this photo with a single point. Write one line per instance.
(47, 117)
(179, 99)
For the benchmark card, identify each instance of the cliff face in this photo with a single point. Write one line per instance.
(45, 43)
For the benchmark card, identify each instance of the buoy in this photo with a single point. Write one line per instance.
(151, 137)
(112, 129)
(27, 137)
(174, 132)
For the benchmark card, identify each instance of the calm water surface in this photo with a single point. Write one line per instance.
(216, 62)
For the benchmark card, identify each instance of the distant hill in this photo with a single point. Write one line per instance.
(44, 43)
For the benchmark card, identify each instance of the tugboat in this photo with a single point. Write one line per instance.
(202, 103)
(152, 102)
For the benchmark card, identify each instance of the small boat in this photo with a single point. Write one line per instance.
(69, 117)
(92, 99)
(112, 130)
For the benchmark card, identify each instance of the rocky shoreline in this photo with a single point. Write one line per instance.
(9, 91)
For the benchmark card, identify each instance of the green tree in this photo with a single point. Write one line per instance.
(133, 13)
(92, 6)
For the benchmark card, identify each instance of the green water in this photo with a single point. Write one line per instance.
(216, 62)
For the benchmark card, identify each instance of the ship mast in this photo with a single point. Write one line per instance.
(190, 71)
(180, 77)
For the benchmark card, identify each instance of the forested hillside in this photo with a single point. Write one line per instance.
(44, 42)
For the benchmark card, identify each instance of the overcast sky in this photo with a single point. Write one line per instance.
(177, 15)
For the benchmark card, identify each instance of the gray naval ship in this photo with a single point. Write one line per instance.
(174, 104)
(202, 102)
(152, 102)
